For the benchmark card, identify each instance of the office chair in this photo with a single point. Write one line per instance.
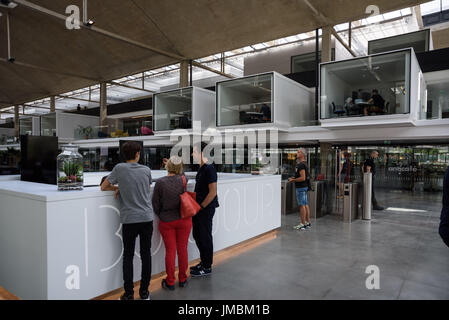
(339, 111)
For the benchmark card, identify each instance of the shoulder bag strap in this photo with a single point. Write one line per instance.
(184, 182)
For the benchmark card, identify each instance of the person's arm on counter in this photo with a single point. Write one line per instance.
(109, 184)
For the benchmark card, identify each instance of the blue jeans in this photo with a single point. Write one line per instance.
(301, 196)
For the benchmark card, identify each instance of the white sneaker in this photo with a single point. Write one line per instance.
(300, 227)
(145, 296)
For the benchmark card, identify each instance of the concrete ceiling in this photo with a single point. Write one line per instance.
(73, 59)
(440, 38)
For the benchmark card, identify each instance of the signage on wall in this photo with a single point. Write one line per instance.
(403, 169)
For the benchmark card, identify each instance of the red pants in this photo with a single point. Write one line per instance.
(176, 237)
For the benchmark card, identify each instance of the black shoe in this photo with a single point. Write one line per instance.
(197, 267)
(144, 295)
(378, 208)
(127, 296)
(165, 285)
(201, 272)
(183, 284)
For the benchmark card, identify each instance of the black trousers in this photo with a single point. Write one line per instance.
(202, 233)
(373, 196)
(130, 233)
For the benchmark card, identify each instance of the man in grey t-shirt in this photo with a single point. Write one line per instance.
(136, 215)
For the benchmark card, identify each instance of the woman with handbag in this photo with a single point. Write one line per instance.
(174, 229)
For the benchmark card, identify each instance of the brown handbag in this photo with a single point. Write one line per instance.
(189, 206)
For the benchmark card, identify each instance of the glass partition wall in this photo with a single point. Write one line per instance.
(48, 125)
(173, 110)
(374, 85)
(26, 126)
(245, 101)
(437, 101)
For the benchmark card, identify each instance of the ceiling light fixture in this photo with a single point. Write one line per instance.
(89, 23)
(8, 4)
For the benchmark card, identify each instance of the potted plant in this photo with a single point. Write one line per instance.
(85, 131)
(70, 169)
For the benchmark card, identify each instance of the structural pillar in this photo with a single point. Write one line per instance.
(103, 106)
(52, 104)
(184, 74)
(16, 121)
(326, 45)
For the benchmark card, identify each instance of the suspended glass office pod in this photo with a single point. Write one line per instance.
(48, 125)
(178, 109)
(386, 88)
(29, 126)
(66, 125)
(268, 99)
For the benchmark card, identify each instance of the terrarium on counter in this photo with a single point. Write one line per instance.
(70, 169)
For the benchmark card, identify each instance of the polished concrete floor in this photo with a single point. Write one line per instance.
(329, 261)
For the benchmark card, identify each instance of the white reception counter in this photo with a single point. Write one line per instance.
(67, 245)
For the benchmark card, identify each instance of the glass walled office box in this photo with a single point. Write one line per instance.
(382, 89)
(29, 126)
(420, 41)
(67, 126)
(177, 109)
(268, 99)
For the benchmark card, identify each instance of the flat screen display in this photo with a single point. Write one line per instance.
(38, 159)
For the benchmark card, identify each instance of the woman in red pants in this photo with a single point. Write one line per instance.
(175, 231)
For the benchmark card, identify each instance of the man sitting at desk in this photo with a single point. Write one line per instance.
(266, 110)
(377, 104)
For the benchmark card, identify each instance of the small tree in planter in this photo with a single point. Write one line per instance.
(70, 169)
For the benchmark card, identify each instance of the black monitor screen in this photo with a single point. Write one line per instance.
(38, 159)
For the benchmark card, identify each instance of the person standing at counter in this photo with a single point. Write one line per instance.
(136, 215)
(302, 181)
(444, 221)
(206, 196)
(370, 166)
(175, 231)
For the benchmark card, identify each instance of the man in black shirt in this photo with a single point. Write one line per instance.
(301, 181)
(444, 224)
(370, 166)
(377, 104)
(206, 196)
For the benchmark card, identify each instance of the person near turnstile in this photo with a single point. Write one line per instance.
(370, 166)
(302, 184)
(444, 223)
(344, 175)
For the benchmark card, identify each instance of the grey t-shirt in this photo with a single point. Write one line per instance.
(134, 181)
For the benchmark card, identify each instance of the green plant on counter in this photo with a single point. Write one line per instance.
(73, 172)
(85, 131)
